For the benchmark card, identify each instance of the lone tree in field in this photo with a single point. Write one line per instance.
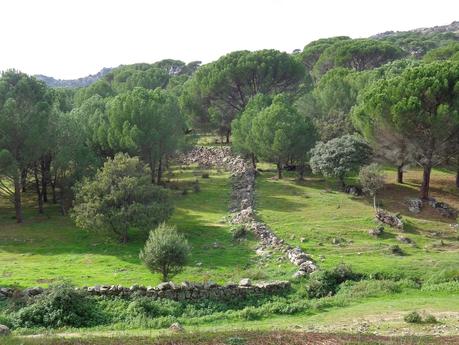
(372, 180)
(422, 106)
(166, 251)
(120, 197)
(339, 156)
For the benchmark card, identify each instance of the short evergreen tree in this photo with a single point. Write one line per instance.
(166, 251)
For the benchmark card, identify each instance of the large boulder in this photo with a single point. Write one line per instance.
(4, 331)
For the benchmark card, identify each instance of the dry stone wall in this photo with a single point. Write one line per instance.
(183, 292)
(243, 201)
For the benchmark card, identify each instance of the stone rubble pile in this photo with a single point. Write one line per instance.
(416, 205)
(243, 201)
(389, 219)
(182, 292)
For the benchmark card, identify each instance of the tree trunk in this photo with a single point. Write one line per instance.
(424, 192)
(124, 238)
(38, 190)
(62, 201)
(152, 165)
(457, 178)
(400, 174)
(254, 160)
(374, 201)
(24, 180)
(160, 171)
(279, 171)
(227, 136)
(17, 200)
(341, 181)
(302, 169)
(44, 178)
(53, 191)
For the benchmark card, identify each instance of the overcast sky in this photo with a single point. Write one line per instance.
(74, 38)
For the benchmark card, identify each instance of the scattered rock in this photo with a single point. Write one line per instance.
(443, 208)
(404, 239)
(376, 232)
(245, 282)
(302, 239)
(176, 327)
(414, 205)
(353, 190)
(4, 331)
(389, 219)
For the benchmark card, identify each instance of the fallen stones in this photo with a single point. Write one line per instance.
(404, 239)
(353, 190)
(243, 200)
(389, 219)
(176, 327)
(376, 232)
(443, 208)
(414, 205)
(245, 282)
(4, 331)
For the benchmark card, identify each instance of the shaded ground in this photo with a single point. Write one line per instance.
(242, 338)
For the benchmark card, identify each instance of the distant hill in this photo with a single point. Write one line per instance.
(73, 83)
(450, 28)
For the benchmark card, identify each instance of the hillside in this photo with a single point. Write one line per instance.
(73, 83)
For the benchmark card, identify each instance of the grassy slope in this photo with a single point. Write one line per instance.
(295, 210)
(50, 247)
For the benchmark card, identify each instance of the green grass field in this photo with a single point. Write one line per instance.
(314, 214)
(49, 248)
(334, 226)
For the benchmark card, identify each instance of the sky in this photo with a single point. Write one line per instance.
(73, 38)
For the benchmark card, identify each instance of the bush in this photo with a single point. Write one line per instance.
(430, 319)
(326, 283)
(413, 317)
(239, 232)
(196, 186)
(61, 305)
(396, 250)
(166, 251)
(368, 288)
(205, 175)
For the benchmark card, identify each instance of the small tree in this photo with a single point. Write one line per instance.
(166, 251)
(119, 197)
(372, 179)
(339, 156)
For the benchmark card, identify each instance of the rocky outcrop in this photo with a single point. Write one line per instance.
(243, 201)
(4, 331)
(183, 292)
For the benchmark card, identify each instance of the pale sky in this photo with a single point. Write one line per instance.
(74, 38)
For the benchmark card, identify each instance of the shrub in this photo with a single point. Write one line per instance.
(205, 175)
(196, 186)
(251, 313)
(326, 283)
(430, 319)
(368, 288)
(396, 250)
(61, 305)
(239, 232)
(413, 317)
(166, 251)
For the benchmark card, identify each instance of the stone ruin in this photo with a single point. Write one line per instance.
(243, 201)
(184, 292)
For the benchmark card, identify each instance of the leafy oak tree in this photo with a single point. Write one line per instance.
(422, 106)
(120, 197)
(339, 156)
